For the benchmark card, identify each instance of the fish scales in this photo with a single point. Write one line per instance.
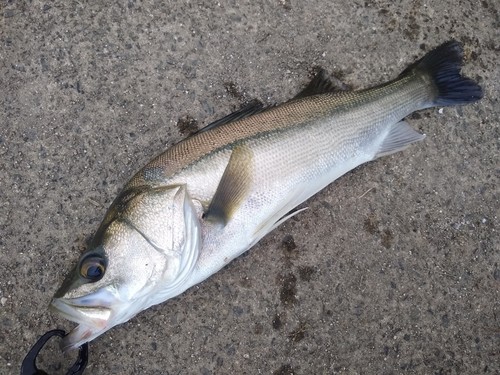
(342, 114)
(328, 121)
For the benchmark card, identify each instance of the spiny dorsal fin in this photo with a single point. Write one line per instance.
(320, 84)
(233, 187)
(255, 106)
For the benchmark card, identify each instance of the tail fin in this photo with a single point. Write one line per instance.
(443, 66)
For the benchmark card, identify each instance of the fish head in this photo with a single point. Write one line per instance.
(142, 255)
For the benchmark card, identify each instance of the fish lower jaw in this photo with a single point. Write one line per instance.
(92, 322)
(96, 316)
(79, 336)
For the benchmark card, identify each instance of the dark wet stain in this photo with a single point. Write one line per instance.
(306, 273)
(288, 244)
(358, 310)
(298, 334)
(245, 282)
(78, 87)
(413, 23)
(8, 13)
(44, 63)
(496, 273)
(187, 125)
(391, 23)
(413, 28)
(386, 237)
(189, 70)
(230, 349)
(408, 366)
(277, 323)
(238, 311)
(371, 224)
(288, 289)
(18, 67)
(286, 4)
(258, 329)
(233, 90)
(219, 361)
(285, 370)
(445, 320)
(154, 345)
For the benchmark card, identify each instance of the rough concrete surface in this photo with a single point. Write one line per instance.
(394, 269)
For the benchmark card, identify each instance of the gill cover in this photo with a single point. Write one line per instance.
(166, 218)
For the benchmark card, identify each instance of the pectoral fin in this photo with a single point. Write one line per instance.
(400, 136)
(233, 187)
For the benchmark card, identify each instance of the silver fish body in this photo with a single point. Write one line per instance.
(209, 198)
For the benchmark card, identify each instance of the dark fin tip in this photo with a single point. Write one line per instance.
(443, 65)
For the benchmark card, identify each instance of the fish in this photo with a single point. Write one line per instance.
(209, 198)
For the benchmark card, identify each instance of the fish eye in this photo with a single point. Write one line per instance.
(92, 268)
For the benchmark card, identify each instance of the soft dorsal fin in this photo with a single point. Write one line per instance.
(320, 84)
(255, 106)
(233, 187)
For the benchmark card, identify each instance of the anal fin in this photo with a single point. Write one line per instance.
(400, 136)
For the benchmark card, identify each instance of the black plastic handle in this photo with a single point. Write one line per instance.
(28, 366)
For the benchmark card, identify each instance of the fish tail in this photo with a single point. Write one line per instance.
(442, 65)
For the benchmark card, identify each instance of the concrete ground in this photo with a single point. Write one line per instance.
(394, 269)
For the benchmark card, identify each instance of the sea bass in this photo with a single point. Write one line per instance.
(209, 198)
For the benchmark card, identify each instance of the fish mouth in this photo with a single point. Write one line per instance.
(80, 313)
(92, 321)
